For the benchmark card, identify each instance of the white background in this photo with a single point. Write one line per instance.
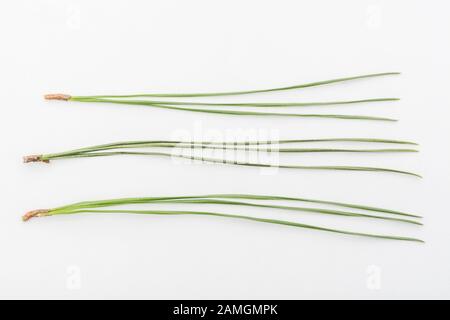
(104, 46)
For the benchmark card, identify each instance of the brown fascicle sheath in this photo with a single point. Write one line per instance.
(35, 213)
(58, 96)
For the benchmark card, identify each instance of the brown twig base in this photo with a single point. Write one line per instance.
(35, 213)
(34, 158)
(57, 96)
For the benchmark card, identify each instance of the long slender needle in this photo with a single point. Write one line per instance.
(304, 209)
(240, 104)
(236, 112)
(234, 216)
(143, 200)
(224, 161)
(133, 144)
(233, 93)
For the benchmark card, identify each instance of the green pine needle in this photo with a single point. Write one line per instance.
(102, 206)
(102, 151)
(120, 201)
(224, 161)
(303, 209)
(234, 112)
(271, 221)
(241, 104)
(182, 105)
(234, 93)
(75, 210)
